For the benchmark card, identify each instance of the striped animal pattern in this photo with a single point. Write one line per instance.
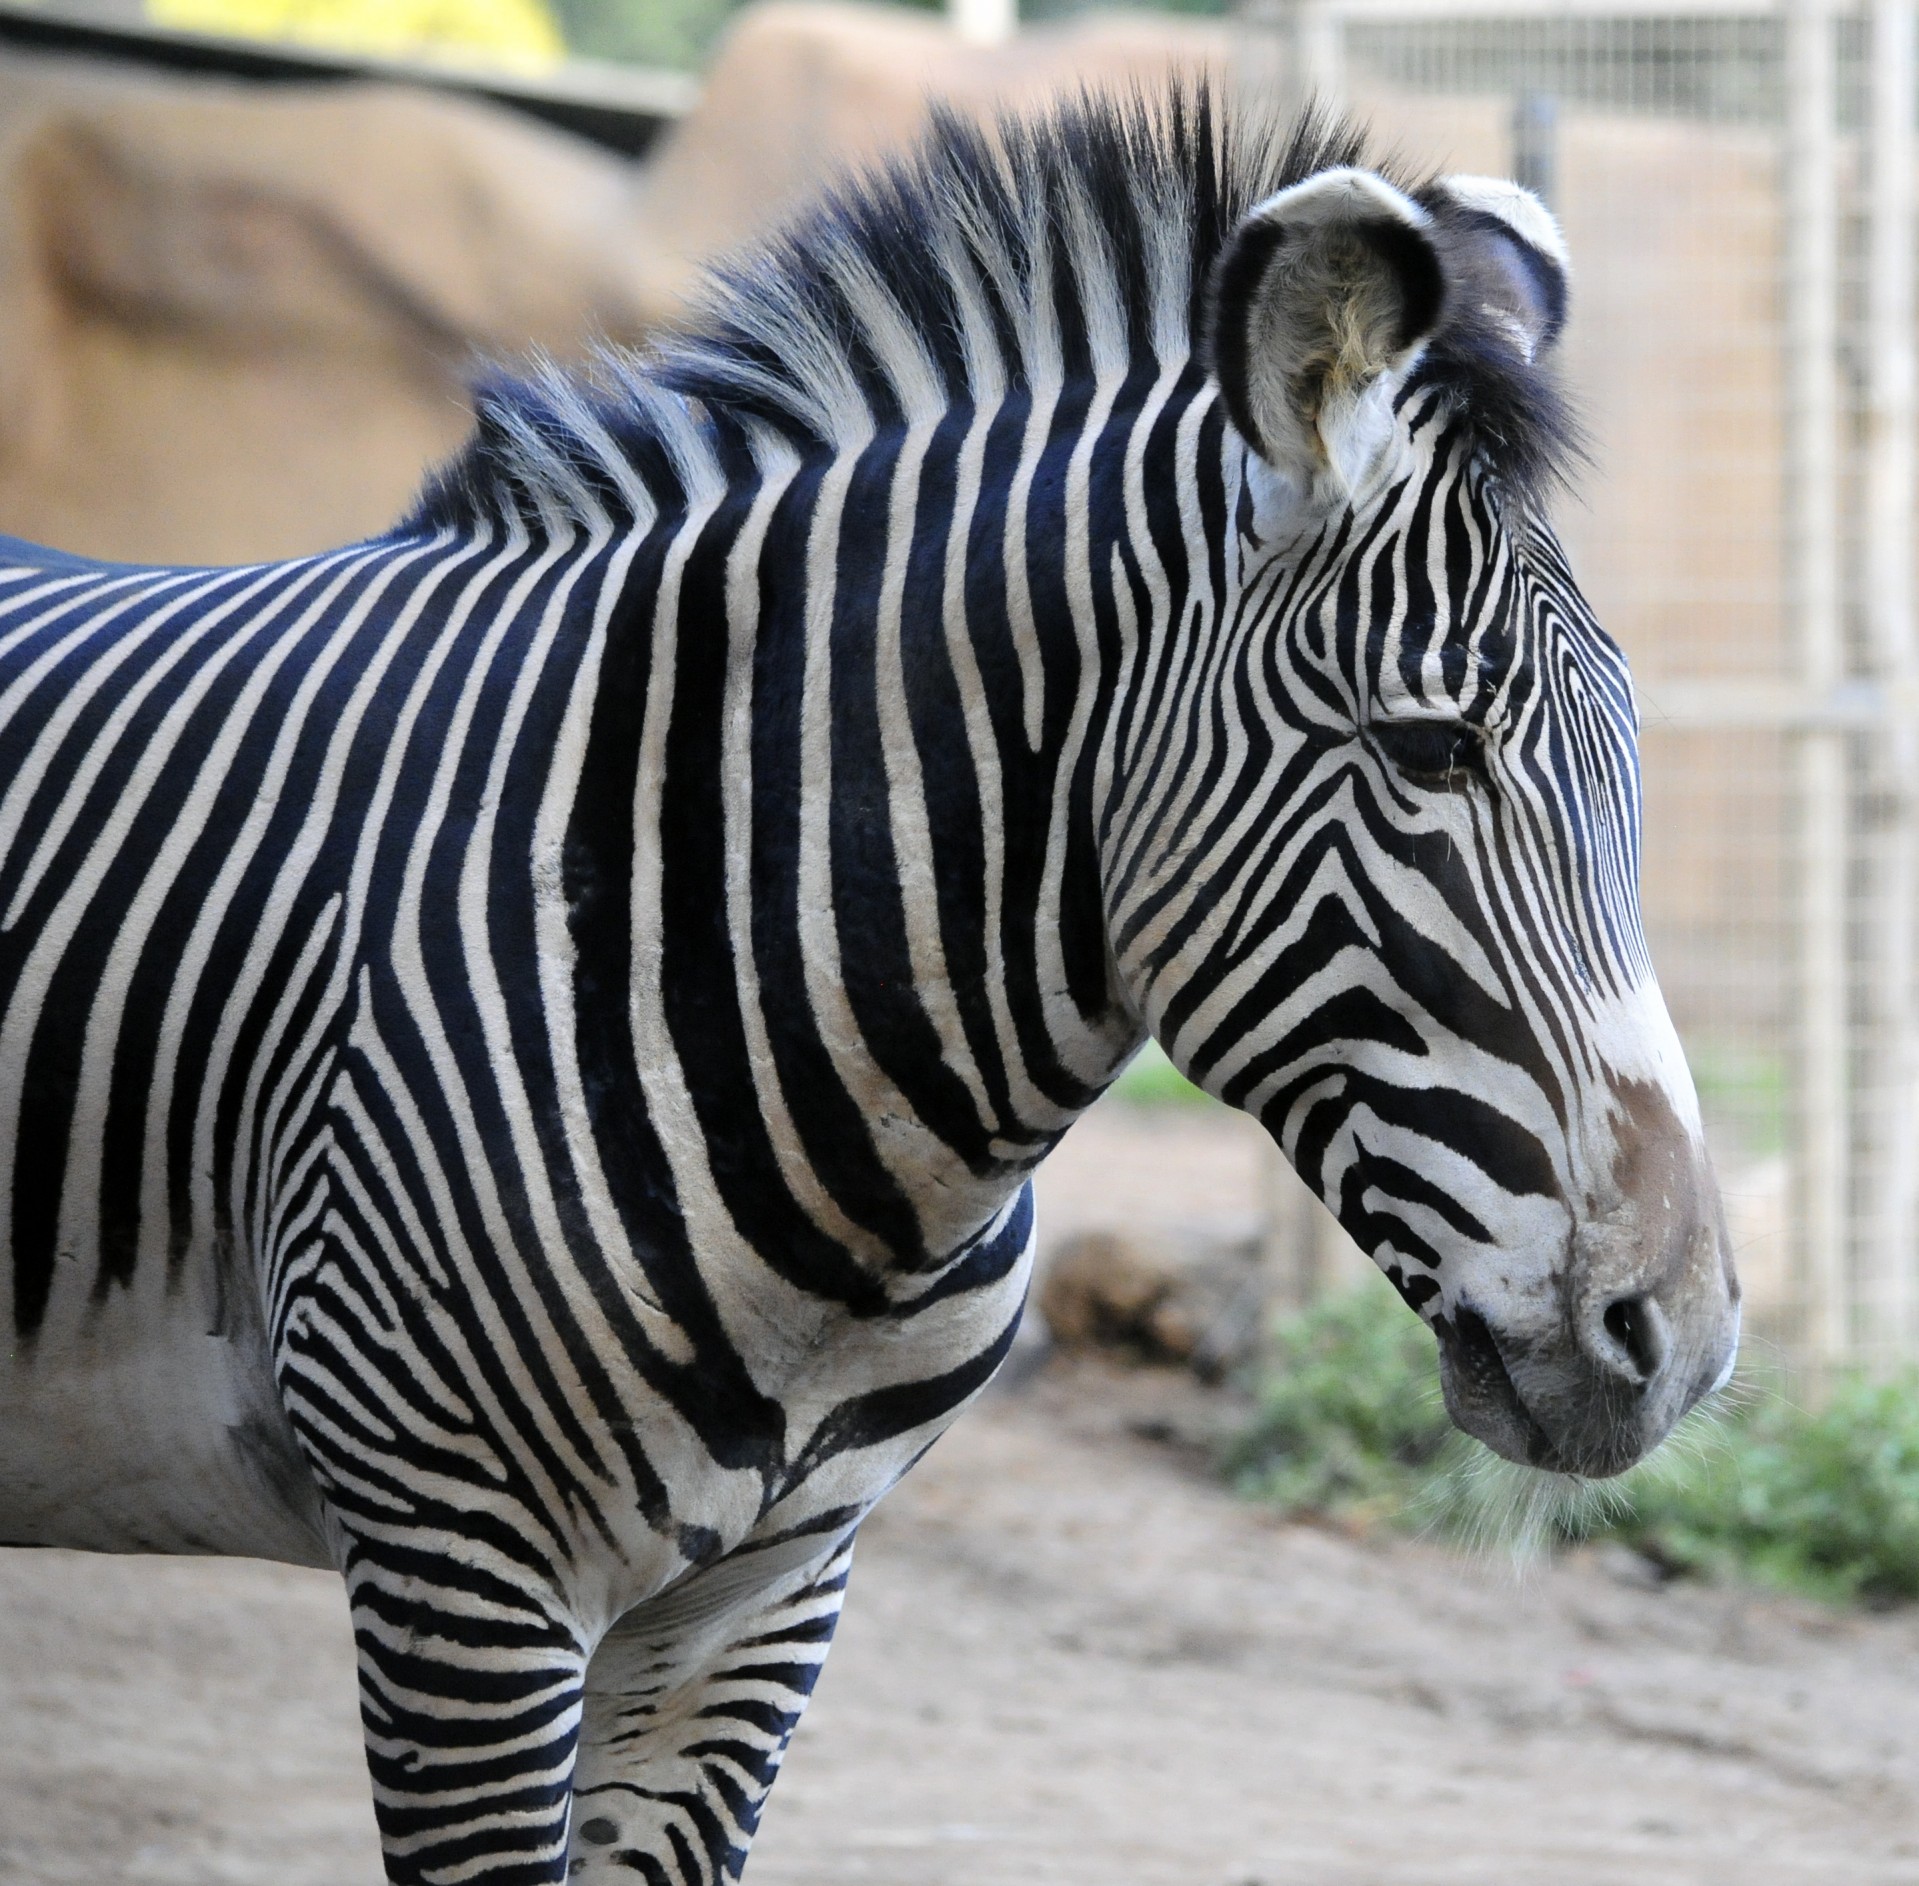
(522, 1042)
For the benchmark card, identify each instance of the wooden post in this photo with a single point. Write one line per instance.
(1309, 35)
(984, 22)
(1292, 1239)
(1810, 161)
(1888, 1257)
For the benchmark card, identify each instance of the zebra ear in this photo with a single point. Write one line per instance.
(1518, 260)
(1324, 291)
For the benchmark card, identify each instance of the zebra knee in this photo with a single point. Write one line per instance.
(685, 1735)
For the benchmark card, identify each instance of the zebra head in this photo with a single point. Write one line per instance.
(1392, 907)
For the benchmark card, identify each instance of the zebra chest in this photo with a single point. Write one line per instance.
(866, 1395)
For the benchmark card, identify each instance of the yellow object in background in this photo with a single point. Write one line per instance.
(518, 33)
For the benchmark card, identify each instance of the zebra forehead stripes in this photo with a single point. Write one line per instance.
(522, 1042)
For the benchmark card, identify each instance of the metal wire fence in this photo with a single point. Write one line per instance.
(1737, 186)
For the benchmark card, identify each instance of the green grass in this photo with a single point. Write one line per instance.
(1349, 1419)
(1819, 1501)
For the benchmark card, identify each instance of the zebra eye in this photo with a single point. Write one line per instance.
(1430, 752)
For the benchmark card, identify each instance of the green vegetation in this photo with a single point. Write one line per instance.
(676, 33)
(1150, 1080)
(683, 33)
(514, 32)
(1349, 1420)
(1742, 1090)
(1823, 1501)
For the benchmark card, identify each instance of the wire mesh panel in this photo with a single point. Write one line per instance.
(1736, 185)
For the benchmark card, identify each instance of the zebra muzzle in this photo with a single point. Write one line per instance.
(1482, 1398)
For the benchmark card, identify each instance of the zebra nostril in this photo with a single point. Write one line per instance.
(1637, 1333)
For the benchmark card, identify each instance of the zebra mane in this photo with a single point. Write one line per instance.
(988, 258)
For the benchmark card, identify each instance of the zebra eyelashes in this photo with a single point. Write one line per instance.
(1434, 753)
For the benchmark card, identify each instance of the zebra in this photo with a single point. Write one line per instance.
(523, 1041)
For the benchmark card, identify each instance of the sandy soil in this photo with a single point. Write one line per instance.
(1067, 1656)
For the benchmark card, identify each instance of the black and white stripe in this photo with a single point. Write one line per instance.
(522, 1042)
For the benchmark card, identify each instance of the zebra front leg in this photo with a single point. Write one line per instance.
(690, 1703)
(470, 1696)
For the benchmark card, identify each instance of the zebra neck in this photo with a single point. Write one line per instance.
(852, 775)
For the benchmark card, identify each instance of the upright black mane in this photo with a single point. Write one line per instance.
(1020, 239)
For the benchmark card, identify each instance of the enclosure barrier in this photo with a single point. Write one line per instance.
(1738, 189)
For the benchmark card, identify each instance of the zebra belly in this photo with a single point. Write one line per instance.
(149, 1422)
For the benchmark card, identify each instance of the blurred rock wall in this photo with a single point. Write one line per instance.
(237, 323)
(804, 87)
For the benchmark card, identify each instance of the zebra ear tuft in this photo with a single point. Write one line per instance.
(1323, 291)
(1523, 271)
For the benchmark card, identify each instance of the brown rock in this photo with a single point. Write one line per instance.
(1202, 1307)
(237, 323)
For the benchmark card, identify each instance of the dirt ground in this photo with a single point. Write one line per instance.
(1067, 1656)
